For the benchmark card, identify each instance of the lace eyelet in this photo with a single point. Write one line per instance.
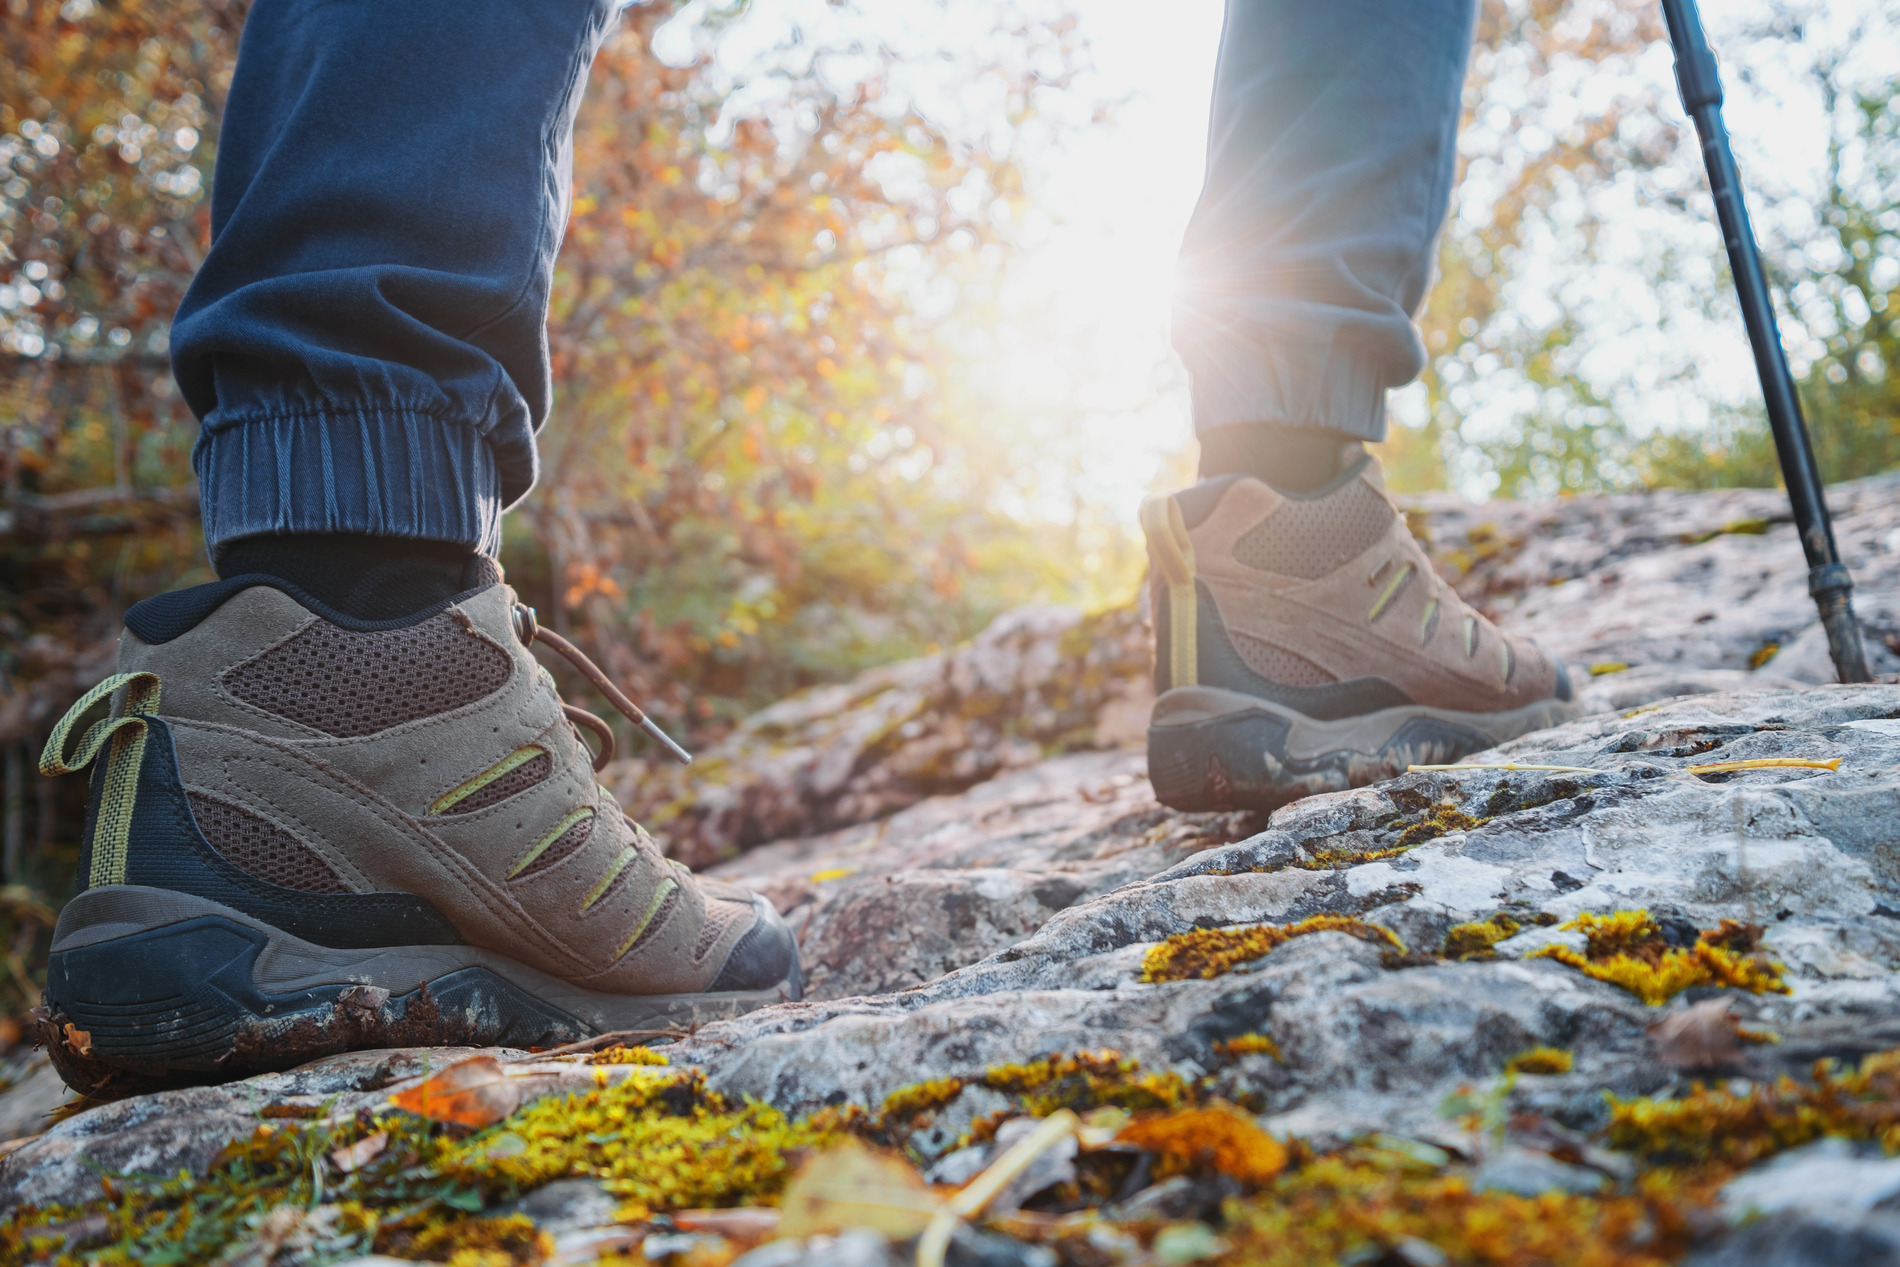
(525, 624)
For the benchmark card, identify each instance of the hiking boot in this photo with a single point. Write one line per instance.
(1303, 644)
(309, 834)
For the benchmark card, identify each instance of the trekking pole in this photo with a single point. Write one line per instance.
(1828, 581)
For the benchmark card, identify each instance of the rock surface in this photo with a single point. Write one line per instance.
(976, 867)
(1692, 592)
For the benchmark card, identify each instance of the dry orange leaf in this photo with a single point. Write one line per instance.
(1704, 1036)
(361, 1153)
(78, 1040)
(1218, 1137)
(472, 1092)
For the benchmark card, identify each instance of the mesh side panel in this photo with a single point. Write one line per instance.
(1310, 539)
(668, 905)
(347, 684)
(265, 850)
(720, 916)
(564, 844)
(1278, 664)
(519, 779)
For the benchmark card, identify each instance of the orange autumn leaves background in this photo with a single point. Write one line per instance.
(749, 482)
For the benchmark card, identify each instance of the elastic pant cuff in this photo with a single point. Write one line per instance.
(1315, 387)
(385, 472)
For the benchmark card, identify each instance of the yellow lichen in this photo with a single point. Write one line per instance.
(466, 1242)
(1444, 818)
(1218, 1137)
(1087, 1080)
(906, 1103)
(1345, 1208)
(1626, 949)
(1717, 1125)
(619, 1055)
(658, 1140)
(1474, 941)
(661, 1138)
(1208, 952)
(1246, 1044)
(1340, 859)
(1541, 1060)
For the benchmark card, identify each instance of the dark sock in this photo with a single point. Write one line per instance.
(370, 578)
(1293, 459)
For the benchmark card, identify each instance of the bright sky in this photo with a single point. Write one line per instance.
(1082, 355)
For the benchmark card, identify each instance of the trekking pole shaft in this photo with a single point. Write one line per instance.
(1828, 581)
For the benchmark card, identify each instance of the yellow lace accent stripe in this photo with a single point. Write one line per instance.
(507, 765)
(113, 828)
(660, 895)
(620, 863)
(1173, 552)
(541, 845)
(1390, 592)
(1428, 623)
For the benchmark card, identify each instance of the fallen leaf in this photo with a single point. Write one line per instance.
(472, 1092)
(1218, 1137)
(1055, 1164)
(853, 1186)
(746, 1225)
(78, 1041)
(1100, 1126)
(361, 1153)
(1701, 1036)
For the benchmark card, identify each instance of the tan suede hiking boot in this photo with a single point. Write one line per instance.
(1303, 644)
(310, 834)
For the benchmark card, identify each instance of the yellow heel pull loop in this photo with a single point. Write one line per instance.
(141, 697)
(113, 827)
(1173, 552)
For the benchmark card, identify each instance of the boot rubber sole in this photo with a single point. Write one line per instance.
(1211, 749)
(149, 988)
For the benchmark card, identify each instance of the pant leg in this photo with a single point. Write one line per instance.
(366, 343)
(1330, 156)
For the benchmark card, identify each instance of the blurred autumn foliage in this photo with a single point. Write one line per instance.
(748, 486)
(1581, 282)
(772, 459)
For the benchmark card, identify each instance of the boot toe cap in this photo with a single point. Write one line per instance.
(766, 956)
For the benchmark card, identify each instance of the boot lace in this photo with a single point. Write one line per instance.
(530, 632)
